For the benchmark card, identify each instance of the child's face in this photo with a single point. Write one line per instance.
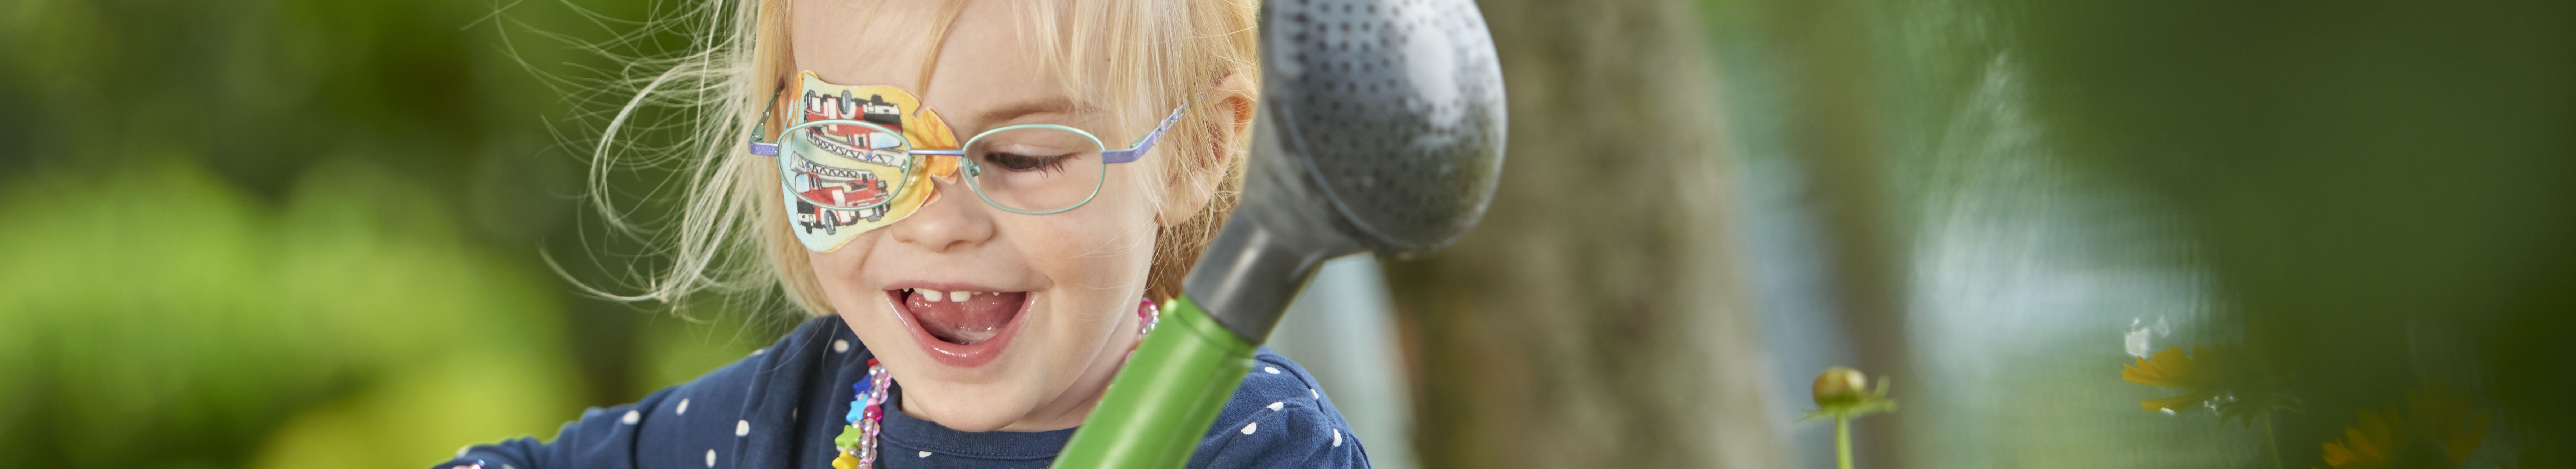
(1035, 356)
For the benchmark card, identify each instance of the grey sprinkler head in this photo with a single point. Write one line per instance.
(1381, 129)
(1395, 110)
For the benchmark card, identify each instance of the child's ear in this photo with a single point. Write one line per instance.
(1236, 97)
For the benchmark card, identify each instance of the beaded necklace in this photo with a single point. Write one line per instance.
(858, 440)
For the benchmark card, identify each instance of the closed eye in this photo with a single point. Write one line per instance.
(1024, 163)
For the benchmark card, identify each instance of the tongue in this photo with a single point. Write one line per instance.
(977, 319)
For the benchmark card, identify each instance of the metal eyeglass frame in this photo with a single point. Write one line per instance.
(1107, 156)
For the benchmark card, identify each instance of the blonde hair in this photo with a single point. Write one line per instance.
(1140, 55)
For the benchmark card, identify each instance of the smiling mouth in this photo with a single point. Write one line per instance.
(961, 317)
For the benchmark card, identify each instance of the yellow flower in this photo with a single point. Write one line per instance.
(2437, 420)
(2364, 446)
(2218, 376)
(2171, 368)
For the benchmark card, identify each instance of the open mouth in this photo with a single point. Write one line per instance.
(962, 317)
(961, 328)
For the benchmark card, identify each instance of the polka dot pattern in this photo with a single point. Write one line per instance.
(1265, 419)
(1296, 424)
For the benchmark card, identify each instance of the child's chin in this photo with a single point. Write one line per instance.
(965, 410)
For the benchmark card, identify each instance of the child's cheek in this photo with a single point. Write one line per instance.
(1083, 245)
(842, 267)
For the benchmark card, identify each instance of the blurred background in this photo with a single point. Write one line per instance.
(2175, 233)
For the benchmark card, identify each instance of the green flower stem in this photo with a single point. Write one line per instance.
(2268, 440)
(1842, 442)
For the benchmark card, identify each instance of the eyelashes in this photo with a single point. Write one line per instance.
(1025, 163)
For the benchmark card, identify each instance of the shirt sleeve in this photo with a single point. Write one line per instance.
(693, 424)
(603, 437)
(1279, 418)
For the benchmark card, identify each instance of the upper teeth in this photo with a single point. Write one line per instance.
(934, 295)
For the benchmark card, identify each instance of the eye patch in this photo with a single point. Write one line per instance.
(848, 177)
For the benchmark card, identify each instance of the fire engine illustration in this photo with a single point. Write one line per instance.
(827, 196)
(853, 141)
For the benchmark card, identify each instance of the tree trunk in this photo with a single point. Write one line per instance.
(1594, 318)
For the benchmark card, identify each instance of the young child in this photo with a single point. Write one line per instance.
(980, 202)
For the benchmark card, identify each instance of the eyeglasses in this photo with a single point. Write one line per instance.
(1033, 169)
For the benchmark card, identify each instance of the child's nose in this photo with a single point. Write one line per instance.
(953, 221)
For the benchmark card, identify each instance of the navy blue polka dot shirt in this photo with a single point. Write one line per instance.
(781, 407)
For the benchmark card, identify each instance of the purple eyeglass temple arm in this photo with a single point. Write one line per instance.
(1132, 154)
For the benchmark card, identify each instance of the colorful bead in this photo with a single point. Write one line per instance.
(1148, 313)
(858, 441)
(849, 438)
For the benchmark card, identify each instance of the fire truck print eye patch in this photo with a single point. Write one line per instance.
(841, 180)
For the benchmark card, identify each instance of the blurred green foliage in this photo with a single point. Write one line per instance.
(2369, 199)
(313, 233)
(163, 318)
(310, 233)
